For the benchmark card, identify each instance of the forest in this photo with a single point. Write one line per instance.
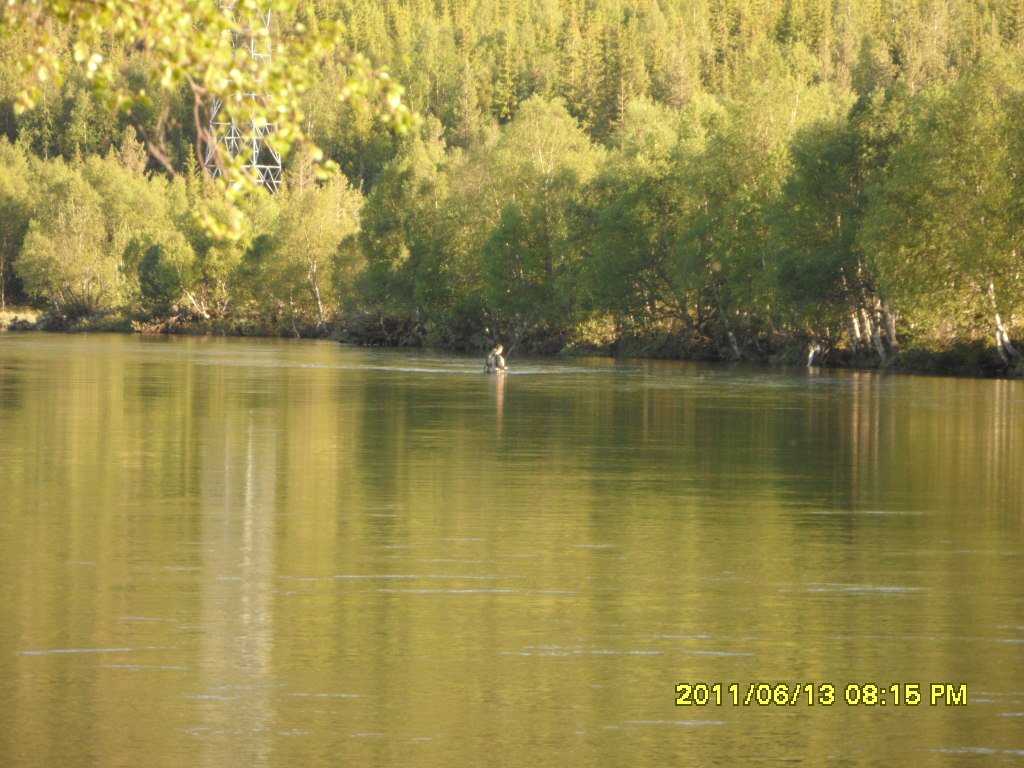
(771, 180)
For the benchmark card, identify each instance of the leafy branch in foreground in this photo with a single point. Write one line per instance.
(220, 52)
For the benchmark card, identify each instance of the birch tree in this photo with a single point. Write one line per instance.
(941, 227)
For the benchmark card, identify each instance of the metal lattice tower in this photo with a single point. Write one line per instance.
(261, 160)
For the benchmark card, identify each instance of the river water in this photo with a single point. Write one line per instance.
(225, 552)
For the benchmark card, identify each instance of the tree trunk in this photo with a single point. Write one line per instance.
(314, 284)
(871, 325)
(813, 350)
(890, 323)
(724, 319)
(1003, 346)
(291, 306)
(737, 355)
(855, 335)
(199, 308)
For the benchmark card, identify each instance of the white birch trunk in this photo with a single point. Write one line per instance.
(1003, 346)
(200, 308)
(735, 347)
(890, 323)
(855, 334)
(871, 329)
(813, 351)
(315, 285)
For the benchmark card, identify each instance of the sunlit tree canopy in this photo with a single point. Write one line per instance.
(251, 60)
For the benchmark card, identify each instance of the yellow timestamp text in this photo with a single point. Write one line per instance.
(763, 694)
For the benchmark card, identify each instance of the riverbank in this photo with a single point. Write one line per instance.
(971, 358)
(974, 359)
(19, 319)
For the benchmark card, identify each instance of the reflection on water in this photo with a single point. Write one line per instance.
(236, 629)
(225, 552)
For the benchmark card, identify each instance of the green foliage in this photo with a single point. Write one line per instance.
(732, 184)
(630, 220)
(64, 259)
(163, 271)
(530, 269)
(288, 273)
(820, 274)
(88, 227)
(193, 48)
(16, 201)
(943, 224)
(399, 221)
(737, 178)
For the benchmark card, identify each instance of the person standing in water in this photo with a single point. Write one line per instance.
(495, 362)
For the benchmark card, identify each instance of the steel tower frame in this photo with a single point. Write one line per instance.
(262, 160)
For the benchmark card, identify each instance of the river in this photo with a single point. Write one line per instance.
(228, 552)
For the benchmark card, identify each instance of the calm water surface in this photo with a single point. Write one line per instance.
(258, 553)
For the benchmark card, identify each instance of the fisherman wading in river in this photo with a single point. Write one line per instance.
(495, 362)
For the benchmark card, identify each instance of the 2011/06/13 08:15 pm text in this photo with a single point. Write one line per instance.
(821, 694)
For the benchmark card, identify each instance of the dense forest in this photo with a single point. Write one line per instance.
(718, 179)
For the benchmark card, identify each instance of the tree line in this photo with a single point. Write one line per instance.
(705, 178)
